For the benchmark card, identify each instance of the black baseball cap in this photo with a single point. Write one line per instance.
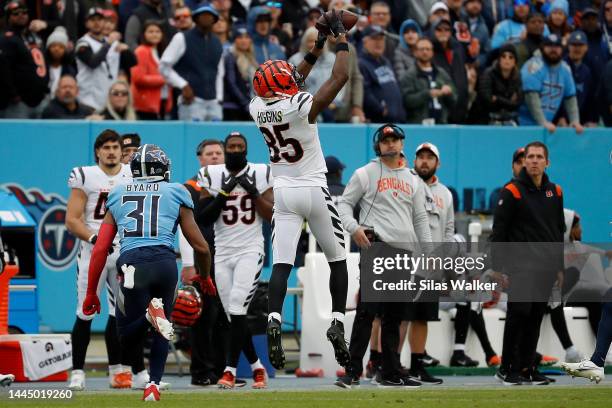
(552, 39)
(333, 164)
(373, 31)
(95, 11)
(518, 154)
(130, 140)
(589, 11)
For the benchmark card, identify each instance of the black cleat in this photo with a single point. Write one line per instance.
(275, 344)
(335, 334)
(347, 381)
(462, 360)
(429, 361)
(421, 375)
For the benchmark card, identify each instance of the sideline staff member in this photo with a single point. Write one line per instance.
(530, 209)
(392, 202)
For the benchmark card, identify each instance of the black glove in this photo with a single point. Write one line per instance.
(249, 184)
(227, 184)
(335, 23)
(320, 43)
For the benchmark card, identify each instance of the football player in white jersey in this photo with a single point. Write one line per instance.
(237, 196)
(287, 118)
(90, 186)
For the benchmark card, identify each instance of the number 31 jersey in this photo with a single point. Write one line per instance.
(97, 185)
(296, 157)
(238, 228)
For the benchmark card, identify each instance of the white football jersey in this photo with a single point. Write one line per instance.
(238, 228)
(96, 184)
(296, 157)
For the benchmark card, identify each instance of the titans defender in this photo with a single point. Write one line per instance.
(146, 214)
(287, 119)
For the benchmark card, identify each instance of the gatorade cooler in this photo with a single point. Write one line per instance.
(47, 353)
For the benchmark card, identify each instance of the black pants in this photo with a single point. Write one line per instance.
(391, 315)
(209, 340)
(521, 334)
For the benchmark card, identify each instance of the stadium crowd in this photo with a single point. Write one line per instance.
(504, 62)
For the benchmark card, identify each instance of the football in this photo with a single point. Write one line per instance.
(348, 21)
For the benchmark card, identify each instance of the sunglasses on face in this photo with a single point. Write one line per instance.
(182, 16)
(119, 93)
(443, 29)
(19, 12)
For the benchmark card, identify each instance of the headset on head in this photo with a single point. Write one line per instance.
(384, 130)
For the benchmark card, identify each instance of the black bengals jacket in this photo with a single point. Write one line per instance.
(525, 213)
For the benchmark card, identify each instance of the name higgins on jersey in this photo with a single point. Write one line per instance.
(269, 117)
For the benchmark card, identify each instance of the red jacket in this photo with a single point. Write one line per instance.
(147, 82)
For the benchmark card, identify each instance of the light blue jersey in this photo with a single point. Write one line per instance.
(147, 214)
(553, 84)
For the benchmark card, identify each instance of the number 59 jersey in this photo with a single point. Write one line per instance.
(147, 214)
(296, 157)
(97, 185)
(238, 228)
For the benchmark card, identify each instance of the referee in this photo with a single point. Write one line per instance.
(392, 211)
(529, 210)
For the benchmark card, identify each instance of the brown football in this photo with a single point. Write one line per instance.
(348, 21)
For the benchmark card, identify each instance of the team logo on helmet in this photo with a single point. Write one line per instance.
(277, 78)
(57, 247)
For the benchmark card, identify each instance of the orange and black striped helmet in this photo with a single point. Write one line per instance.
(277, 78)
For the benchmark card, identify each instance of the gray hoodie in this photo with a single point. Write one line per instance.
(392, 201)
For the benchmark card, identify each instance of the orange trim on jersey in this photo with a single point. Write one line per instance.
(514, 190)
(193, 184)
(559, 191)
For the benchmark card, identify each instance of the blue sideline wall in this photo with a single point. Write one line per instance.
(39, 155)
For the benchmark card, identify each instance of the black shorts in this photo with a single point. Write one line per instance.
(424, 311)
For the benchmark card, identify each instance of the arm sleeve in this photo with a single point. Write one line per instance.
(353, 193)
(571, 107)
(171, 56)
(534, 104)
(132, 32)
(87, 56)
(420, 221)
(99, 254)
(219, 81)
(185, 249)
(209, 209)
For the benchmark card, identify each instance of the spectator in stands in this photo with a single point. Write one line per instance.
(110, 22)
(259, 24)
(605, 95)
(500, 92)
(222, 30)
(66, 105)
(201, 84)
(382, 100)
(294, 12)
(478, 28)
(403, 59)
(27, 82)
(597, 55)
(605, 18)
(280, 33)
(119, 105)
(182, 19)
(510, 30)
(585, 87)
(59, 61)
(418, 11)
(240, 67)
(496, 11)
(45, 16)
(380, 15)
(534, 27)
(147, 10)
(99, 60)
(450, 56)
(439, 10)
(454, 10)
(428, 91)
(152, 96)
(225, 8)
(556, 20)
(547, 82)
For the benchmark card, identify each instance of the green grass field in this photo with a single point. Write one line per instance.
(544, 397)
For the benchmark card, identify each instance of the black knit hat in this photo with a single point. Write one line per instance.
(507, 48)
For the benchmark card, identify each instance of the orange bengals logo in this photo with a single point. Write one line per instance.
(549, 193)
(393, 183)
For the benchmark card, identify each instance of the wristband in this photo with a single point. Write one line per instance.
(92, 239)
(342, 46)
(311, 58)
(223, 193)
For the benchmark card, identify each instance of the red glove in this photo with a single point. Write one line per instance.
(91, 304)
(207, 286)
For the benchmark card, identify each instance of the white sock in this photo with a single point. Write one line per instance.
(275, 315)
(338, 316)
(231, 370)
(459, 347)
(256, 365)
(114, 369)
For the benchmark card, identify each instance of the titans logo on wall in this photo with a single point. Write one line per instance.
(57, 247)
